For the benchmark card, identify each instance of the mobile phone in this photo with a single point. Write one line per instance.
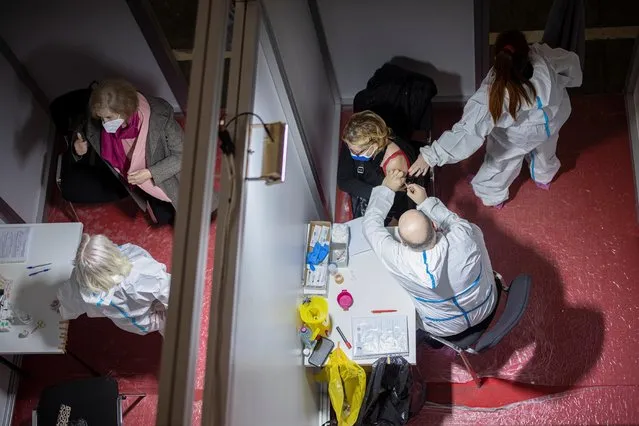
(322, 349)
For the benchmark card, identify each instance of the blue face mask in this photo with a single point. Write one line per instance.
(361, 157)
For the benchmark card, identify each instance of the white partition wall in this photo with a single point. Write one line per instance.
(315, 103)
(254, 372)
(268, 368)
(25, 146)
(363, 34)
(66, 44)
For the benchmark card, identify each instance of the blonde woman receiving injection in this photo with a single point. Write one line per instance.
(123, 283)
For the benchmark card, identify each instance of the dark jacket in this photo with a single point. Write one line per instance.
(163, 149)
(401, 97)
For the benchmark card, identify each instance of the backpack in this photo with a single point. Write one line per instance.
(390, 393)
(401, 97)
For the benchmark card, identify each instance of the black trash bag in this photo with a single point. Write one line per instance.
(393, 396)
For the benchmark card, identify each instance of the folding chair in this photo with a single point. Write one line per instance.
(516, 303)
(93, 402)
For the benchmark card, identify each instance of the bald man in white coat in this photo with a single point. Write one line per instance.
(441, 260)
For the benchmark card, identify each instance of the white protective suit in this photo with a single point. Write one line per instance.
(128, 304)
(532, 136)
(452, 284)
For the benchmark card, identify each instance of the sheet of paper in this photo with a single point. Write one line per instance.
(14, 244)
(358, 243)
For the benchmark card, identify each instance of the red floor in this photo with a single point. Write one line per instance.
(580, 242)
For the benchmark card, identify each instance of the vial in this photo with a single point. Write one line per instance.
(332, 269)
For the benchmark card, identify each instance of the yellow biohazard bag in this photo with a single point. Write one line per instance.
(346, 386)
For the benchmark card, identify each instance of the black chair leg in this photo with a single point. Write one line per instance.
(13, 367)
(139, 397)
(470, 369)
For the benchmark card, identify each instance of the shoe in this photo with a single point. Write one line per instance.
(544, 186)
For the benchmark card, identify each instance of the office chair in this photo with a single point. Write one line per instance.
(516, 302)
(93, 402)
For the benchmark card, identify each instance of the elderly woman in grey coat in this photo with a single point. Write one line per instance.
(141, 142)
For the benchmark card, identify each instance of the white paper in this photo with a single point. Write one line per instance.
(14, 244)
(358, 243)
(380, 335)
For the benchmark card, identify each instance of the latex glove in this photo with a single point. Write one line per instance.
(317, 255)
(419, 167)
(158, 315)
(416, 193)
(394, 180)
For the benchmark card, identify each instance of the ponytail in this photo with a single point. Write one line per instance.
(509, 82)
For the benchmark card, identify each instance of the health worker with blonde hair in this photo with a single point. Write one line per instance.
(123, 283)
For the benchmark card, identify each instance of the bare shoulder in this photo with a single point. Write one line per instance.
(391, 149)
(396, 163)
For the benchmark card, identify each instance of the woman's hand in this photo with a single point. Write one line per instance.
(158, 314)
(395, 180)
(80, 145)
(139, 177)
(419, 167)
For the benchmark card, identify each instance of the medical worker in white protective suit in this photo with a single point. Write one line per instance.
(123, 283)
(520, 107)
(446, 271)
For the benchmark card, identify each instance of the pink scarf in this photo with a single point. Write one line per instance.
(112, 147)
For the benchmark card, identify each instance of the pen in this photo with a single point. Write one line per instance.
(39, 272)
(38, 266)
(382, 311)
(346, 342)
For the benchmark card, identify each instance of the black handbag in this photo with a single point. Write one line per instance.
(393, 395)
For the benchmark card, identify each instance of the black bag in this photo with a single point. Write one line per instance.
(70, 112)
(390, 394)
(401, 97)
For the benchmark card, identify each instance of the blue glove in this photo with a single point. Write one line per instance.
(316, 255)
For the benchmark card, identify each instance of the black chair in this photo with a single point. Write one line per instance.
(93, 402)
(516, 302)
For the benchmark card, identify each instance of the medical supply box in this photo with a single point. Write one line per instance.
(316, 258)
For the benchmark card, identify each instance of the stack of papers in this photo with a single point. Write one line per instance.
(380, 335)
(14, 244)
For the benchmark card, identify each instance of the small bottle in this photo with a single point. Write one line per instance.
(306, 336)
(332, 269)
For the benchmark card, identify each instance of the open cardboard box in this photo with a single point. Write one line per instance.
(316, 282)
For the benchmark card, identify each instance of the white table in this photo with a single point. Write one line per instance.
(372, 288)
(54, 243)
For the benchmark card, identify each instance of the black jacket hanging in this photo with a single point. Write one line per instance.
(401, 97)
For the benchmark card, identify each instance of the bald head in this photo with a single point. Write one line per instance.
(416, 230)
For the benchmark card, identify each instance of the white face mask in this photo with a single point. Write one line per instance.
(113, 125)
